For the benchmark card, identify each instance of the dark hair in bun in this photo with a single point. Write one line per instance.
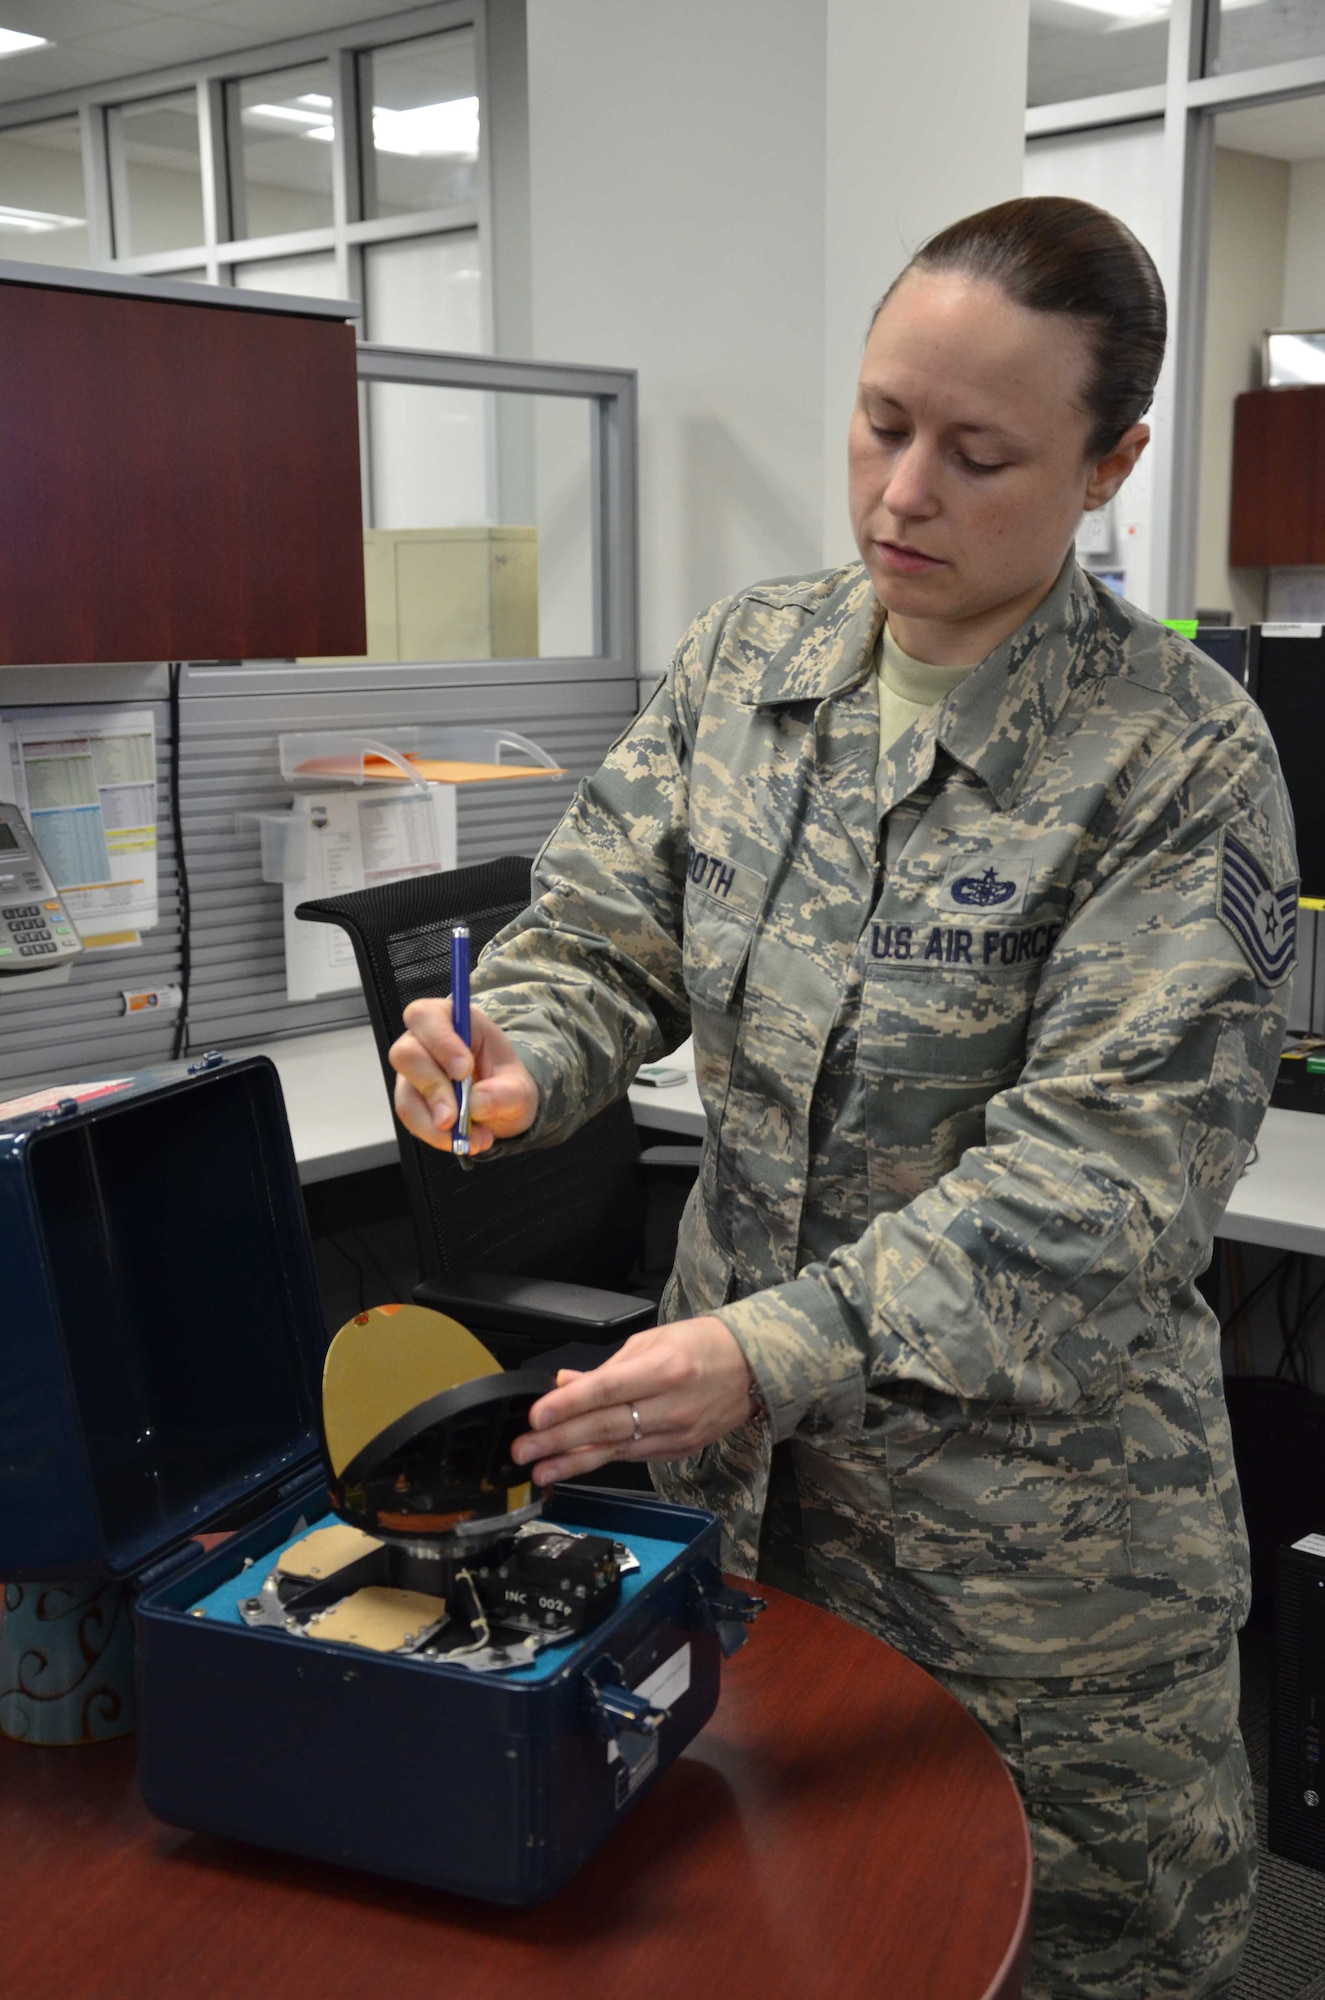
(1055, 255)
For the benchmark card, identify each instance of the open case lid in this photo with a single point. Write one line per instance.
(166, 1338)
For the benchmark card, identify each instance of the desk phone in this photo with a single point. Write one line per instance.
(35, 927)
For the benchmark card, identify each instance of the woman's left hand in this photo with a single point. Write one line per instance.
(669, 1392)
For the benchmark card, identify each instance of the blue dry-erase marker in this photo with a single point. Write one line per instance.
(460, 1022)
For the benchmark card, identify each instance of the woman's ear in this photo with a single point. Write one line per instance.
(1115, 466)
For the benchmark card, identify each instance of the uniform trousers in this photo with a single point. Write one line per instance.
(1136, 1788)
(1140, 1807)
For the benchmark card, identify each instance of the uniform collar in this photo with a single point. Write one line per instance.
(994, 722)
(997, 720)
(834, 652)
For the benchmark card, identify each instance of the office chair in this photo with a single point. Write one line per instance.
(529, 1251)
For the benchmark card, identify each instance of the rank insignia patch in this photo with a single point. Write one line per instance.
(1262, 918)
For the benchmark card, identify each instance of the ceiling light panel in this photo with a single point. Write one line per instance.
(13, 44)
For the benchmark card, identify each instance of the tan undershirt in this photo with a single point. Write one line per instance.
(907, 688)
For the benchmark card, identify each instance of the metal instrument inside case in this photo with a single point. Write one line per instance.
(159, 1376)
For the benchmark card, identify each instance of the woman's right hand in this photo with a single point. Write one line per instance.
(430, 1058)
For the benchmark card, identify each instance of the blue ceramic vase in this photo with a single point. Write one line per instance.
(66, 1662)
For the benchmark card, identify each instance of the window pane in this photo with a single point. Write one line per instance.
(1086, 48)
(1246, 33)
(478, 527)
(285, 134)
(311, 277)
(426, 292)
(425, 124)
(156, 175)
(478, 507)
(43, 210)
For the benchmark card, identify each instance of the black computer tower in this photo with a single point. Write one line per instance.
(1297, 1722)
(1286, 675)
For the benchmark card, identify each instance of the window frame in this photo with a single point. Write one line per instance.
(221, 251)
(1187, 101)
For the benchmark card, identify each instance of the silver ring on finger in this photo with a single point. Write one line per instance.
(636, 1434)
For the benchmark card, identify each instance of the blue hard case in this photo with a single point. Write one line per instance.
(160, 1362)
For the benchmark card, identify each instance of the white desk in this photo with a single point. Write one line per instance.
(335, 1100)
(341, 1124)
(1280, 1200)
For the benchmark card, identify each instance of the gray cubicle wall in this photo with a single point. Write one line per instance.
(232, 717)
(53, 1034)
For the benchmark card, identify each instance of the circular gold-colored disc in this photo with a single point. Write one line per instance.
(382, 1363)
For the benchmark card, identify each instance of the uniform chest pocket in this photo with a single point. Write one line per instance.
(716, 946)
(934, 1046)
(947, 1004)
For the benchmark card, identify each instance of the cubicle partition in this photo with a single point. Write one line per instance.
(231, 718)
(544, 454)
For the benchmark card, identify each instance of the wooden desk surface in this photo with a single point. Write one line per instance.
(842, 1826)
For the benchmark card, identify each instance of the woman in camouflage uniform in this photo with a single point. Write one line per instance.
(975, 887)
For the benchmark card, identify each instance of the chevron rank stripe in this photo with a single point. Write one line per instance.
(1262, 918)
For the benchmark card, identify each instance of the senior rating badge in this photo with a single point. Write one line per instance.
(1262, 918)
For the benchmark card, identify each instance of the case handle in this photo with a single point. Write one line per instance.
(714, 1607)
(619, 1715)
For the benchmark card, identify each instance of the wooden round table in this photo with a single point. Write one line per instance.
(841, 1827)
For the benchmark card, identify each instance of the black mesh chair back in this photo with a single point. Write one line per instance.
(573, 1212)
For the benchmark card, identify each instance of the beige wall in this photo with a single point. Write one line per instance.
(1304, 268)
(1248, 234)
(925, 116)
(718, 194)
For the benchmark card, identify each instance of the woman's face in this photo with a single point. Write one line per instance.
(968, 468)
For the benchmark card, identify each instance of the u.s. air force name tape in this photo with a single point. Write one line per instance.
(1261, 917)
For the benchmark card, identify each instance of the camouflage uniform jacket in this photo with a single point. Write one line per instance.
(984, 1030)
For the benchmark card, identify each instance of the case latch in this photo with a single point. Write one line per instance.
(212, 1060)
(714, 1607)
(66, 1108)
(619, 1715)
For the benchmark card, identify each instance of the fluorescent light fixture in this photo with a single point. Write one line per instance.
(33, 221)
(429, 131)
(314, 97)
(1123, 10)
(289, 114)
(13, 44)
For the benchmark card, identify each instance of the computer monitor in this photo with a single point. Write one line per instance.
(1228, 645)
(1287, 677)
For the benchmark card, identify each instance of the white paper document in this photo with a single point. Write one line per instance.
(356, 840)
(86, 781)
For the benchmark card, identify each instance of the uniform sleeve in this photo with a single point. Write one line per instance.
(1024, 1273)
(588, 981)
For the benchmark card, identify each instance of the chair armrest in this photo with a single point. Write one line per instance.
(538, 1306)
(672, 1156)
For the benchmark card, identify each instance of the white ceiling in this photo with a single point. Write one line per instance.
(1293, 131)
(95, 41)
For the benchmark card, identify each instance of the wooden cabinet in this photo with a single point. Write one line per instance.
(177, 481)
(1278, 509)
